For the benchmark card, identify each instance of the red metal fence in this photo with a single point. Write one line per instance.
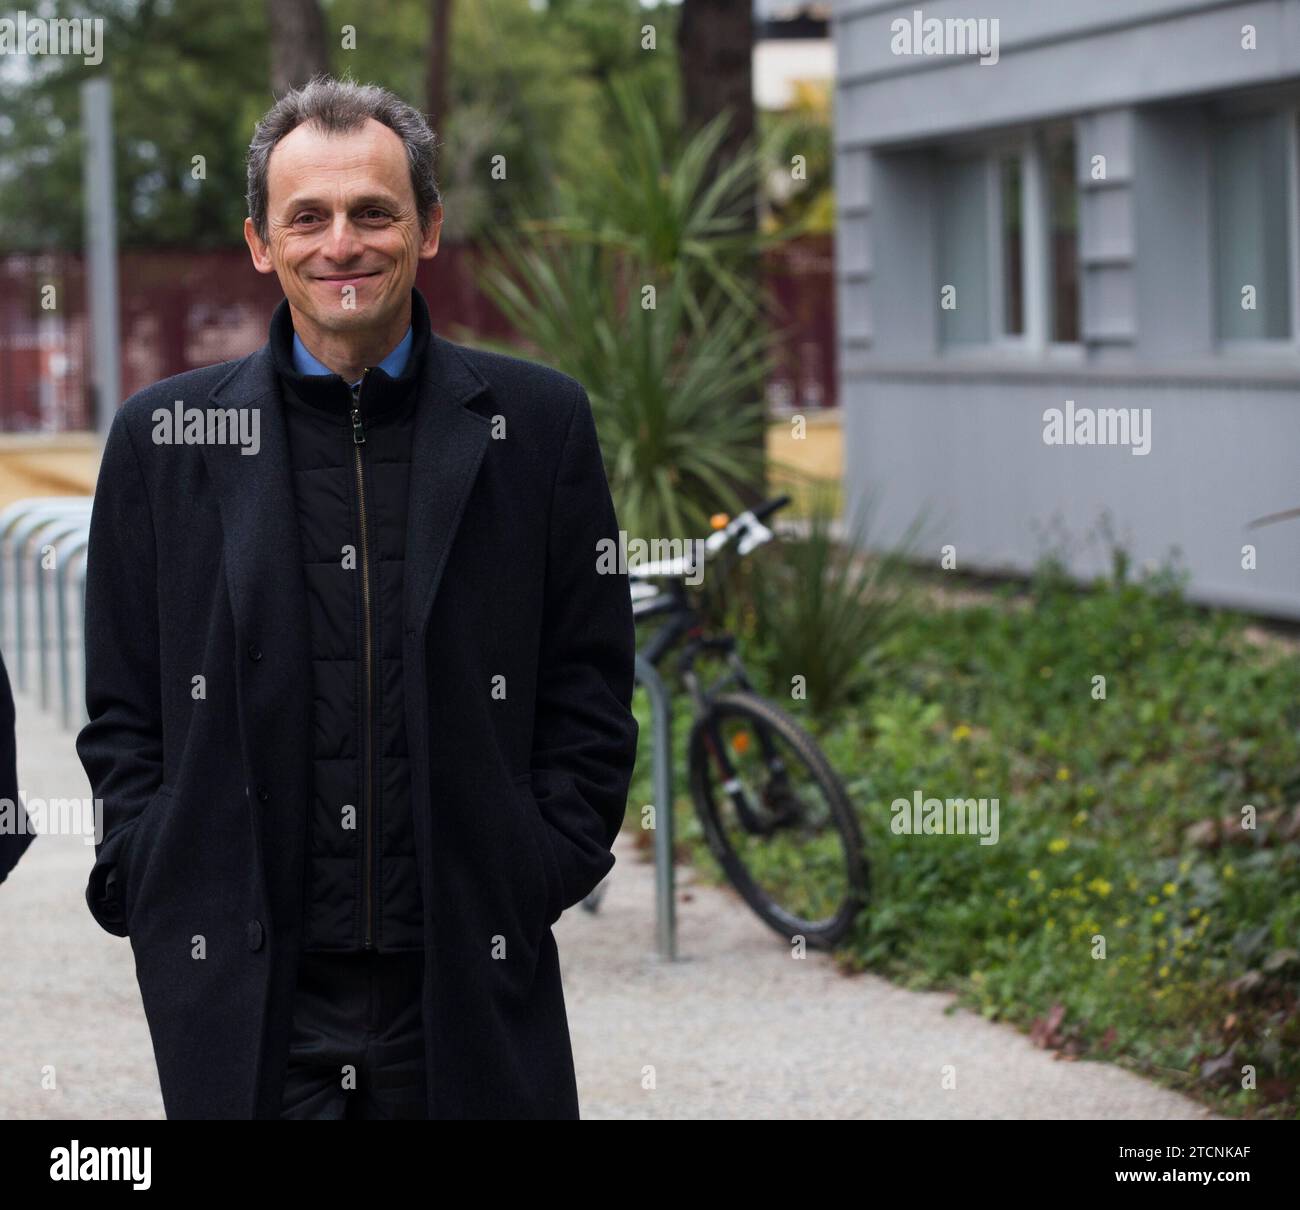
(182, 309)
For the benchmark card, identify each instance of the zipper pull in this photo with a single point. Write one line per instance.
(358, 433)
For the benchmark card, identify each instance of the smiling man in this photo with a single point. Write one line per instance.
(359, 704)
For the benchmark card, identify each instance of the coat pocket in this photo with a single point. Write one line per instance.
(547, 865)
(142, 844)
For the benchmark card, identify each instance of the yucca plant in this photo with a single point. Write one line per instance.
(659, 199)
(678, 408)
(633, 290)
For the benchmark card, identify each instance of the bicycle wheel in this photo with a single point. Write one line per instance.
(777, 819)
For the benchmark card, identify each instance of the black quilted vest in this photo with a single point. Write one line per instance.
(351, 468)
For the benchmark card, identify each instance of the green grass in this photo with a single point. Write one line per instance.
(1099, 802)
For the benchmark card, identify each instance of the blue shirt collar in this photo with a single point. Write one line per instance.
(392, 365)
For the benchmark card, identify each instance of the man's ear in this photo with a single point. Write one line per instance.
(260, 251)
(429, 239)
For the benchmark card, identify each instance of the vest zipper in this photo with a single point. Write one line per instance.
(368, 803)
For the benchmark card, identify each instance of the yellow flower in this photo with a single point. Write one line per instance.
(960, 733)
(1035, 875)
(1184, 866)
(1194, 912)
(1164, 972)
(1058, 845)
(1169, 888)
(1229, 871)
(1153, 899)
(1099, 886)
(1081, 817)
(1051, 924)
(1063, 774)
(1157, 918)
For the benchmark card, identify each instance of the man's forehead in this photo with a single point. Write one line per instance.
(309, 147)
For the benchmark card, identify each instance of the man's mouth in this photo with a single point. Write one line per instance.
(345, 279)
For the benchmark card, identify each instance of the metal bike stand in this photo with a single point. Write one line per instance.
(74, 556)
(55, 538)
(662, 772)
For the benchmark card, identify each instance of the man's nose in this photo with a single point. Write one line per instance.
(341, 243)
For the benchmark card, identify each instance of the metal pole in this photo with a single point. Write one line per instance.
(662, 771)
(100, 204)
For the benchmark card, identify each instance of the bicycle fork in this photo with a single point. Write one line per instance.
(702, 700)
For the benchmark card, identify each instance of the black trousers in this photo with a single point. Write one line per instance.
(357, 1046)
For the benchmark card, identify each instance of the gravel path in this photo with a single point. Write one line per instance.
(735, 1028)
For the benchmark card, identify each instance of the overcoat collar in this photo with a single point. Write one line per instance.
(256, 501)
(328, 392)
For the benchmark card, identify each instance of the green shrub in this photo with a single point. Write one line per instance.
(1103, 828)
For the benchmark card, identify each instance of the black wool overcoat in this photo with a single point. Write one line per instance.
(518, 674)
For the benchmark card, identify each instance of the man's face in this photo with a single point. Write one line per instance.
(343, 235)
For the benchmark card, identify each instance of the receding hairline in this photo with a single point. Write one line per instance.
(371, 193)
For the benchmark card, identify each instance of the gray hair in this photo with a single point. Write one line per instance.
(337, 107)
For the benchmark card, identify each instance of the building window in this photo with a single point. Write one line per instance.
(1252, 160)
(961, 243)
(1063, 234)
(1007, 243)
(1011, 188)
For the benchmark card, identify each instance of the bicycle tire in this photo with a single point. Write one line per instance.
(750, 707)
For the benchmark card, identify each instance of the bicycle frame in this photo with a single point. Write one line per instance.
(683, 622)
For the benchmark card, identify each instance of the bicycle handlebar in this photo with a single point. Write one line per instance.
(747, 527)
(768, 507)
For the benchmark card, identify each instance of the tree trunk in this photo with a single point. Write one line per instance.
(437, 85)
(715, 45)
(298, 49)
(715, 48)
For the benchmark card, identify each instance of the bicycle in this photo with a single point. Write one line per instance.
(775, 815)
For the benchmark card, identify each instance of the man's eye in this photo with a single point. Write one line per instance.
(304, 218)
(374, 212)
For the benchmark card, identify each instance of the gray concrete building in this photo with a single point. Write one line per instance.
(1068, 275)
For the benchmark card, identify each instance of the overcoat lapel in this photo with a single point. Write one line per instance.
(447, 450)
(449, 443)
(268, 601)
